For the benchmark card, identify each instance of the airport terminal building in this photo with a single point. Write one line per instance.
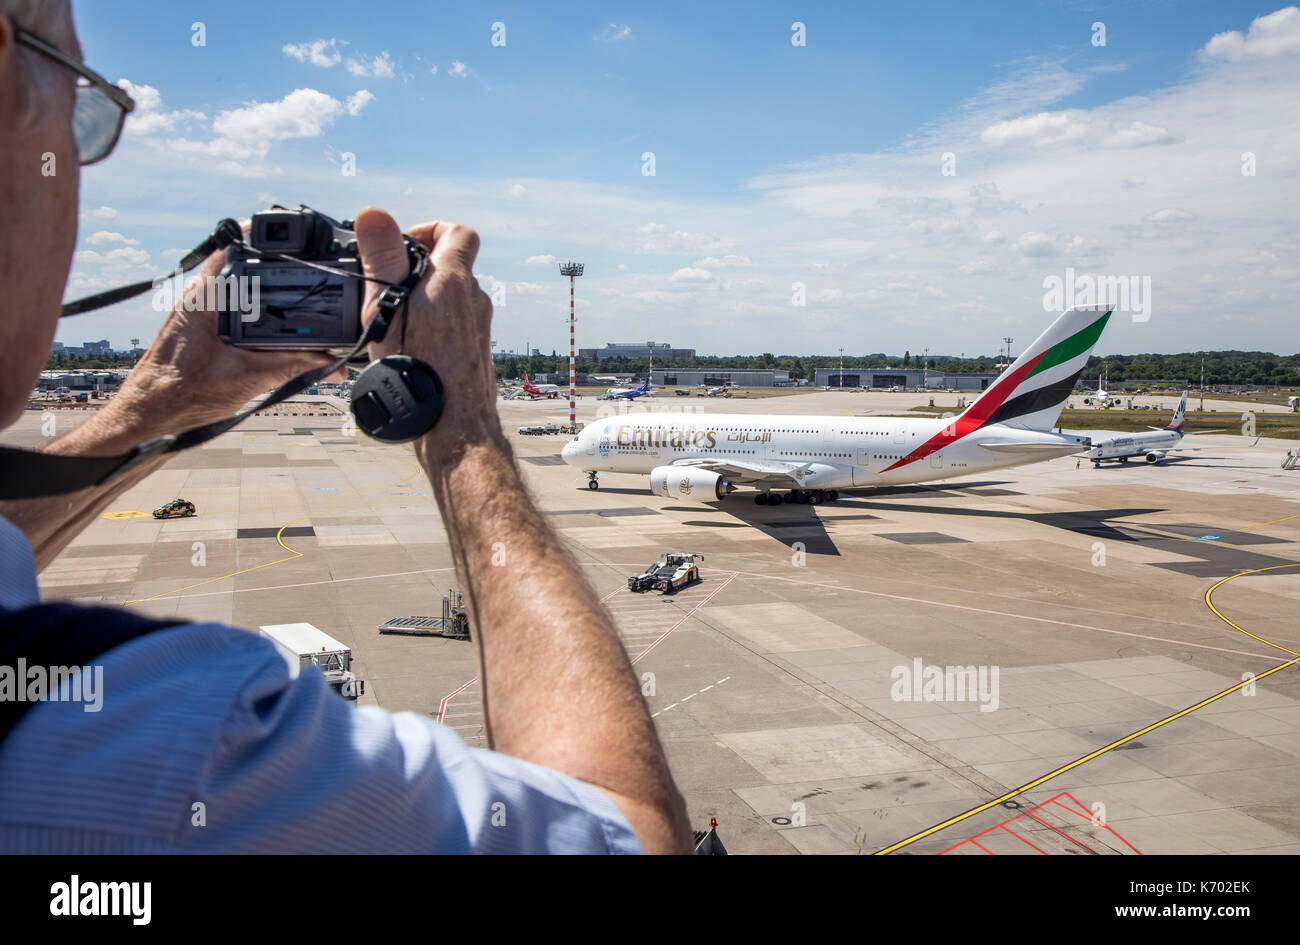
(719, 377)
(902, 377)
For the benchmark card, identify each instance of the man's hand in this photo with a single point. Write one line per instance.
(190, 377)
(448, 325)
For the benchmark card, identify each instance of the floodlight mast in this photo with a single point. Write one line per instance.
(573, 270)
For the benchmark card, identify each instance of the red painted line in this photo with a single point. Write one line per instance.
(985, 849)
(1022, 839)
(442, 706)
(1032, 815)
(693, 612)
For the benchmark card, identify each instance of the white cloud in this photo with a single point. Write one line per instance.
(125, 256)
(543, 260)
(303, 113)
(1277, 34)
(433, 69)
(1033, 243)
(107, 238)
(100, 213)
(458, 70)
(1169, 216)
(149, 117)
(614, 32)
(1137, 135)
(376, 67)
(692, 274)
(357, 101)
(320, 52)
(517, 190)
(729, 261)
(1075, 127)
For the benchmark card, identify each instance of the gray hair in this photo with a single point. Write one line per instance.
(40, 83)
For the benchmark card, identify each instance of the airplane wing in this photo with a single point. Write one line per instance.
(1029, 449)
(752, 471)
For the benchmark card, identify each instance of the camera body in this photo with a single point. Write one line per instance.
(274, 301)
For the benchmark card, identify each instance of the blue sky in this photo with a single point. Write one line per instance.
(775, 165)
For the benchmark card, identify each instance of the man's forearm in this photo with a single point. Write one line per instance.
(557, 686)
(52, 522)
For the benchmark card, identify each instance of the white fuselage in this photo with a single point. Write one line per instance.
(838, 452)
(1133, 444)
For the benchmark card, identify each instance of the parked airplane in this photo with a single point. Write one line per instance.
(704, 457)
(628, 393)
(1101, 398)
(1152, 446)
(538, 391)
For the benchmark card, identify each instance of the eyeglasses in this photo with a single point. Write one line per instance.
(101, 108)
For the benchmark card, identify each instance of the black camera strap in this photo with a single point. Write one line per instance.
(228, 231)
(27, 474)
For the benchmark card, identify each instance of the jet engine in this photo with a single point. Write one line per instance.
(689, 482)
(1155, 457)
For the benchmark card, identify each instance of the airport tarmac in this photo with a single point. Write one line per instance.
(780, 684)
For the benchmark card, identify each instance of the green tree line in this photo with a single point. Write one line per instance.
(1221, 367)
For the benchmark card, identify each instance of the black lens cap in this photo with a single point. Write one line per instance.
(397, 399)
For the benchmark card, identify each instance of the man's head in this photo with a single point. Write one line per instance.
(39, 177)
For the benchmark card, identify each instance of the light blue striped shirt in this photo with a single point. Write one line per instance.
(204, 744)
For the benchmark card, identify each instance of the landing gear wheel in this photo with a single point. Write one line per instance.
(834, 495)
(814, 498)
(760, 498)
(801, 497)
(592, 483)
(789, 498)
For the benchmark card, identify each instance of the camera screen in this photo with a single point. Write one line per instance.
(297, 302)
(277, 232)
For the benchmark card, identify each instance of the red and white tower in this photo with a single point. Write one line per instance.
(572, 270)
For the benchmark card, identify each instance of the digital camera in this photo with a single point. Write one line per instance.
(271, 298)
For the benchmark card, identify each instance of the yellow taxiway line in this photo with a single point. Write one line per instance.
(1127, 738)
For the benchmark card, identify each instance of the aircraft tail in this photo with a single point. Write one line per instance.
(1032, 391)
(1176, 424)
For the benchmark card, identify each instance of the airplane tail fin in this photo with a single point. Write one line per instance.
(1176, 424)
(1032, 391)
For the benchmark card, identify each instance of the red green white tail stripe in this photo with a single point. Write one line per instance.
(1031, 392)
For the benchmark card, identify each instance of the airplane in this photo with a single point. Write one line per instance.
(629, 393)
(723, 391)
(1153, 446)
(538, 391)
(705, 457)
(1101, 398)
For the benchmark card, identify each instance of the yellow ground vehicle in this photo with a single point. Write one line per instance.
(176, 508)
